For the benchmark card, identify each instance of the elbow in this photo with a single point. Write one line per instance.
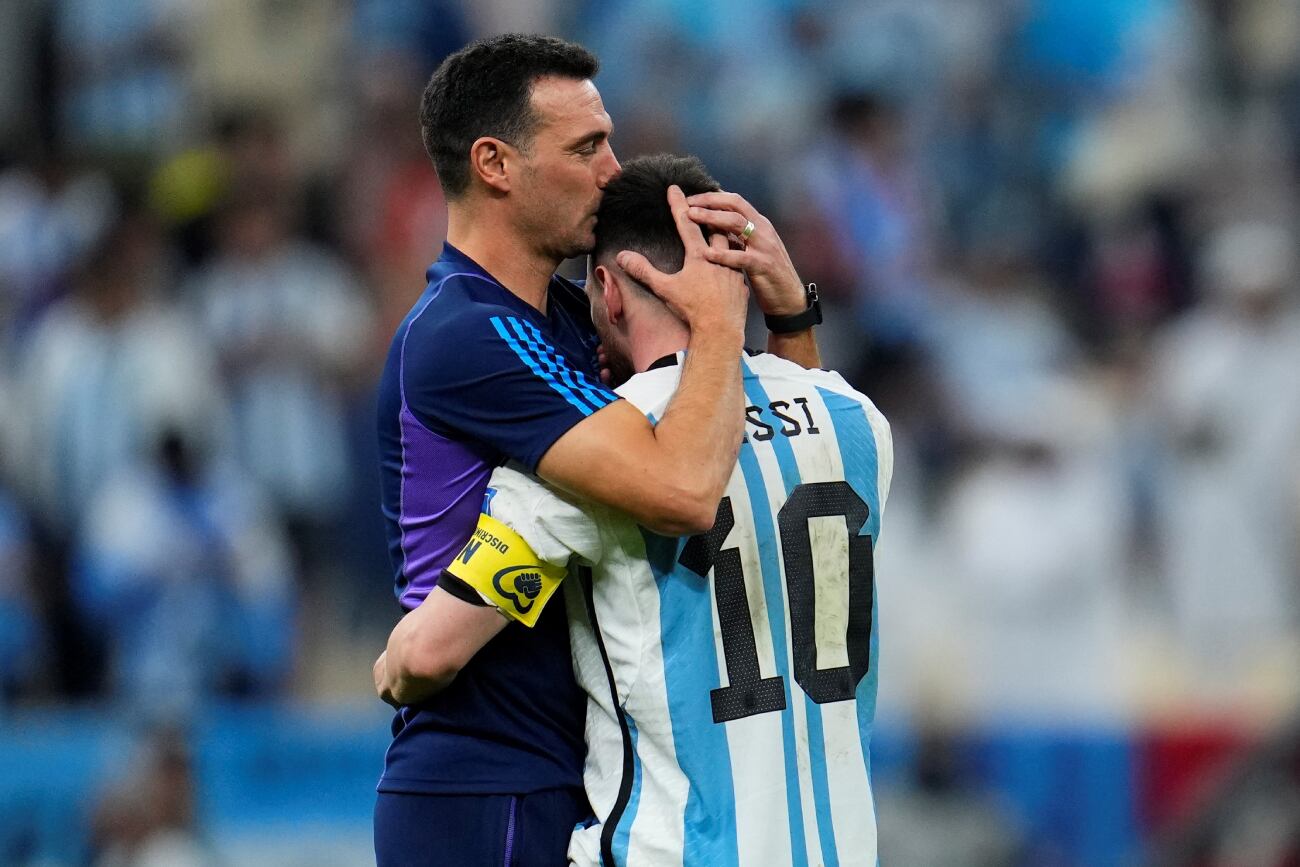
(692, 522)
(418, 670)
(421, 680)
(437, 672)
(684, 511)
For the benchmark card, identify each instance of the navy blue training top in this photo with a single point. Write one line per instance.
(476, 376)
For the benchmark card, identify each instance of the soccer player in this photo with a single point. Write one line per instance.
(730, 674)
(497, 361)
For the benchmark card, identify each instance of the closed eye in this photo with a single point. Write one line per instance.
(589, 145)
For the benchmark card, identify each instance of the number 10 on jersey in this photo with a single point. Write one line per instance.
(747, 692)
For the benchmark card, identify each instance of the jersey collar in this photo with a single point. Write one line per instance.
(451, 254)
(670, 360)
(675, 358)
(566, 299)
(460, 261)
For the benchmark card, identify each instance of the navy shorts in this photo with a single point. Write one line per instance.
(477, 830)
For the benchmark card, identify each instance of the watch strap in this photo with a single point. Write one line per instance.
(812, 315)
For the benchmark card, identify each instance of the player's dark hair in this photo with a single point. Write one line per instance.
(634, 212)
(485, 89)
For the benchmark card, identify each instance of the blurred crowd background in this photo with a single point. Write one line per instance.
(1057, 244)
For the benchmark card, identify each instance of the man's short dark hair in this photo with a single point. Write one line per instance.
(634, 212)
(485, 89)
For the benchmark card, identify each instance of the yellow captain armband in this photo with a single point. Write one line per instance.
(503, 569)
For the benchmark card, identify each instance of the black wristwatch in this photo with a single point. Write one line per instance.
(798, 321)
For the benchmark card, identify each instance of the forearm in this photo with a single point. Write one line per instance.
(430, 645)
(700, 432)
(667, 477)
(800, 347)
(411, 673)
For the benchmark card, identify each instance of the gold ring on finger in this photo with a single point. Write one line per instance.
(746, 232)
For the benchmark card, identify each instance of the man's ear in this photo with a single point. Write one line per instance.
(611, 290)
(493, 161)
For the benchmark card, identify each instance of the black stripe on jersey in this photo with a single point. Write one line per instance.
(670, 360)
(629, 767)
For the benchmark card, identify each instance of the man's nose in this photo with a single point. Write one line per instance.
(612, 170)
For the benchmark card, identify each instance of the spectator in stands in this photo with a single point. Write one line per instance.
(284, 59)
(865, 218)
(103, 370)
(122, 68)
(1035, 532)
(290, 327)
(50, 217)
(1227, 411)
(392, 212)
(147, 817)
(182, 570)
(246, 148)
(698, 59)
(999, 334)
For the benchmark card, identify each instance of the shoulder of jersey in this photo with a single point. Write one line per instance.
(765, 364)
(650, 390)
(455, 311)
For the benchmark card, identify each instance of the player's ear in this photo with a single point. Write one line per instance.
(611, 293)
(492, 160)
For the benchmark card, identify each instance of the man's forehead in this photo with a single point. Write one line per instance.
(568, 102)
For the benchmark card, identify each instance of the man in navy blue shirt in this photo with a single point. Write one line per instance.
(497, 361)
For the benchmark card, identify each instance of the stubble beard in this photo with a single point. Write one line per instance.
(571, 245)
(620, 368)
(580, 243)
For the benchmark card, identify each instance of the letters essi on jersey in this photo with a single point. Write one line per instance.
(502, 568)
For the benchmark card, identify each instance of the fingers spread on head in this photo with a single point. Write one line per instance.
(724, 201)
(722, 221)
(638, 268)
(741, 260)
(691, 234)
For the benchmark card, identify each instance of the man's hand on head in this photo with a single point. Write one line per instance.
(762, 256)
(767, 264)
(670, 476)
(707, 296)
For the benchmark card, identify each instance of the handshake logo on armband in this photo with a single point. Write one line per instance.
(516, 582)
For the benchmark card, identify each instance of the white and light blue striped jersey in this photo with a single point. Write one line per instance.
(731, 676)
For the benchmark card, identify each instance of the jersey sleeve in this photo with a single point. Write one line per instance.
(523, 544)
(494, 377)
(556, 527)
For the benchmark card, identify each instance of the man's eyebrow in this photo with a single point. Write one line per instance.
(593, 137)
